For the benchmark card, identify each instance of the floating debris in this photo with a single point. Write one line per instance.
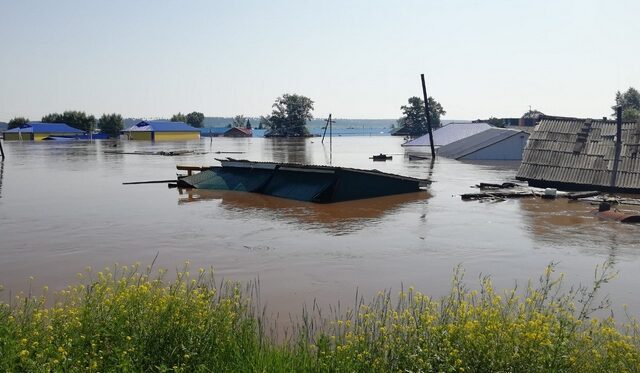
(381, 157)
(167, 153)
(604, 212)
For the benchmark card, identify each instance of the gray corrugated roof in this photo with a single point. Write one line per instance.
(473, 143)
(449, 133)
(581, 151)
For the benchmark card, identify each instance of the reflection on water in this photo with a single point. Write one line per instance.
(1, 175)
(334, 218)
(288, 150)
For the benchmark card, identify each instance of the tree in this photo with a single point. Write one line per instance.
(111, 124)
(289, 116)
(17, 122)
(248, 126)
(238, 121)
(532, 114)
(630, 102)
(495, 122)
(179, 118)
(195, 119)
(76, 119)
(415, 121)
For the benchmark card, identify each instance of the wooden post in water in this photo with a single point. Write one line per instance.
(618, 150)
(1, 150)
(426, 109)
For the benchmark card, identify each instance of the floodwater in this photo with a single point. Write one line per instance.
(63, 207)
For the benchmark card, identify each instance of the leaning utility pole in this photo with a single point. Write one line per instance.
(426, 110)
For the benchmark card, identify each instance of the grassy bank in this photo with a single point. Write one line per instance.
(125, 319)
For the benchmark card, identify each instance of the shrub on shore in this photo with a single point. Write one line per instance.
(125, 319)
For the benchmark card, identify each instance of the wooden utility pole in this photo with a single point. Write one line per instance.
(618, 149)
(329, 123)
(426, 110)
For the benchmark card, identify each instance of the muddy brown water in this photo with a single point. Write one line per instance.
(63, 207)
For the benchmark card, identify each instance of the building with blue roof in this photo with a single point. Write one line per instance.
(36, 131)
(161, 130)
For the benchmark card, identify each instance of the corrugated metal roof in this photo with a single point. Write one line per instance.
(161, 126)
(473, 143)
(450, 133)
(41, 127)
(581, 151)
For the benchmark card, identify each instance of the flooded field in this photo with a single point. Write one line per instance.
(63, 207)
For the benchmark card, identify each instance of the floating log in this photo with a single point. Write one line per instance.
(149, 182)
(497, 194)
(170, 153)
(577, 195)
(498, 186)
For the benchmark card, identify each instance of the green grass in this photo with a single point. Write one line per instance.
(128, 319)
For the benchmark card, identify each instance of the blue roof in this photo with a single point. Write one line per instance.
(449, 133)
(161, 126)
(39, 127)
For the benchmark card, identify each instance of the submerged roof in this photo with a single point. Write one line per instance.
(161, 126)
(474, 143)
(581, 152)
(449, 133)
(40, 127)
(245, 131)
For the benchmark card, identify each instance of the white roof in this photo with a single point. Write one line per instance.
(473, 143)
(450, 133)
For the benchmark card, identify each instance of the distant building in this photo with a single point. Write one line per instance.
(161, 130)
(213, 131)
(491, 144)
(238, 132)
(448, 134)
(579, 154)
(40, 131)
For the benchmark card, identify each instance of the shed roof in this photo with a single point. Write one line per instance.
(161, 126)
(449, 133)
(40, 127)
(481, 140)
(246, 131)
(581, 152)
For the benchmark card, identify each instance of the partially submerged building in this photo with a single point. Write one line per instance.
(161, 130)
(448, 134)
(238, 132)
(580, 154)
(491, 144)
(37, 131)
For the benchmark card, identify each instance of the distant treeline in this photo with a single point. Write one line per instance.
(213, 122)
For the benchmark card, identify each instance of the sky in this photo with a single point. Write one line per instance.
(354, 59)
